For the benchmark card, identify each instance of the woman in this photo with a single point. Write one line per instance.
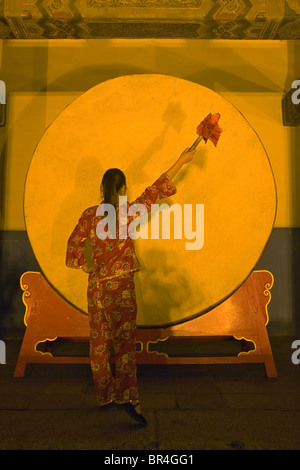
(111, 291)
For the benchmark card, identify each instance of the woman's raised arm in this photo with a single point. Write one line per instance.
(186, 157)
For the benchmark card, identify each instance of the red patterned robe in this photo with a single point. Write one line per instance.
(111, 297)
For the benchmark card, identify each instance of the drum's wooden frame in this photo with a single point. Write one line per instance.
(243, 316)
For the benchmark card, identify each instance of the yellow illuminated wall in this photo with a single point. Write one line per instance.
(43, 77)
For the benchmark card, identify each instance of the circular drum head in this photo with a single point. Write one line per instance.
(141, 124)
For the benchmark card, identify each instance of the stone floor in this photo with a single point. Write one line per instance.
(188, 407)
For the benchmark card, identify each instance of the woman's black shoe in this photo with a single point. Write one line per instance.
(134, 412)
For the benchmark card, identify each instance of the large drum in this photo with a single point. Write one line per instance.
(140, 124)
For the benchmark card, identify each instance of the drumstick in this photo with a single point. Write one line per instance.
(197, 141)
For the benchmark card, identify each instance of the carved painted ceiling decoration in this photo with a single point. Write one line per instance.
(190, 19)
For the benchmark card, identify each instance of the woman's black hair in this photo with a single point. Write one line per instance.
(112, 181)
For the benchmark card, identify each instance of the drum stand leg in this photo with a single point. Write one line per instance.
(47, 317)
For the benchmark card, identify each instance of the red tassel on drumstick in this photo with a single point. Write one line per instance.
(208, 129)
